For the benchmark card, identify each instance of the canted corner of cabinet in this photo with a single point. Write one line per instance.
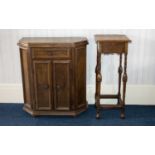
(23, 44)
(80, 43)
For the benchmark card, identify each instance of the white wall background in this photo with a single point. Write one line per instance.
(141, 62)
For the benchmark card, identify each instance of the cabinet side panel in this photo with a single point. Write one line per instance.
(81, 76)
(42, 78)
(25, 77)
(61, 82)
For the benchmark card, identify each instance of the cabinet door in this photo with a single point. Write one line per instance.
(61, 82)
(42, 79)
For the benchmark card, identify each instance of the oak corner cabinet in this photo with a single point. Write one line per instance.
(54, 75)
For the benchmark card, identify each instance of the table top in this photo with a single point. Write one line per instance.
(111, 38)
(33, 41)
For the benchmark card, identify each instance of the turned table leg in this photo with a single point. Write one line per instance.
(120, 69)
(125, 77)
(98, 83)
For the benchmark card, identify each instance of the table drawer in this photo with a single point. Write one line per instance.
(50, 53)
(112, 47)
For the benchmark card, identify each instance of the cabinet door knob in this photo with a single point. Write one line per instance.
(44, 86)
(58, 86)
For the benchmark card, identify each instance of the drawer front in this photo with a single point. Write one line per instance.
(50, 53)
(112, 47)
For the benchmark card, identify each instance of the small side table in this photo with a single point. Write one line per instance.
(111, 44)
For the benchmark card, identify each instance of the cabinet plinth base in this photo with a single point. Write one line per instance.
(55, 113)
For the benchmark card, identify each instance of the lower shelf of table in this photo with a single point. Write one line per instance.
(111, 106)
(120, 106)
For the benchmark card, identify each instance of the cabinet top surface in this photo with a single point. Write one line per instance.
(32, 41)
(111, 38)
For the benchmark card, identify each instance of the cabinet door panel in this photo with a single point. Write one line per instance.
(61, 82)
(81, 76)
(26, 77)
(42, 78)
